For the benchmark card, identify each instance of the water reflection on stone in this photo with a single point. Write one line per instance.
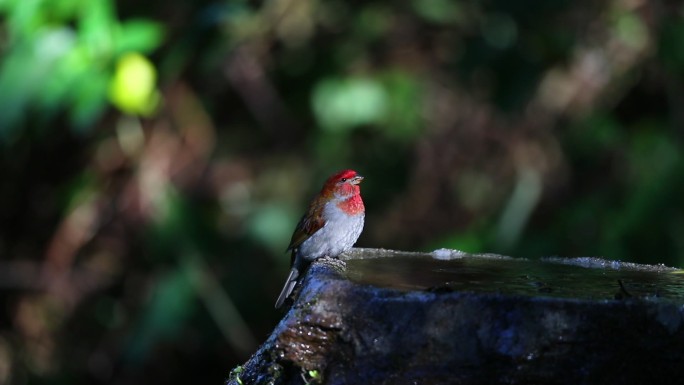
(581, 278)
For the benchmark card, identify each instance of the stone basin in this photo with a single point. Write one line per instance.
(447, 317)
(576, 278)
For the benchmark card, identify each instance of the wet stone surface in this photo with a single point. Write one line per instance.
(577, 278)
(451, 318)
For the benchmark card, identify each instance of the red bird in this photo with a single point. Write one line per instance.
(330, 227)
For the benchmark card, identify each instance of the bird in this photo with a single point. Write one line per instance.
(330, 227)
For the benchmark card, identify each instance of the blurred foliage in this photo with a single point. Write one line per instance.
(156, 156)
(59, 55)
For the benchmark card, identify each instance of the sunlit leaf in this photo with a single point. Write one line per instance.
(133, 86)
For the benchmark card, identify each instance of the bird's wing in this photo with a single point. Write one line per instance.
(311, 222)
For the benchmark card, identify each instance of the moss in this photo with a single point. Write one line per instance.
(235, 374)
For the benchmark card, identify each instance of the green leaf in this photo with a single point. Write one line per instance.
(138, 36)
(342, 104)
(272, 226)
(631, 29)
(89, 99)
(97, 25)
(403, 117)
(26, 68)
(438, 11)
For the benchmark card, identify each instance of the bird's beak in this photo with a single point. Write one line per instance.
(357, 179)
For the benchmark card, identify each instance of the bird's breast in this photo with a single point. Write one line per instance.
(340, 232)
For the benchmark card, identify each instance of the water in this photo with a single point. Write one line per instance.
(587, 278)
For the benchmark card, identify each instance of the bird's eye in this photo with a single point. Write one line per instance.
(344, 180)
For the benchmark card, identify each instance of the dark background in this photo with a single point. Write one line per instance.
(156, 155)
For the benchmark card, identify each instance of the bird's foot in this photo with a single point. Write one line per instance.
(334, 262)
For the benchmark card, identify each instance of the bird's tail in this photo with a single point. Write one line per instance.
(288, 287)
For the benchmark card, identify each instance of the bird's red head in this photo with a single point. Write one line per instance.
(344, 183)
